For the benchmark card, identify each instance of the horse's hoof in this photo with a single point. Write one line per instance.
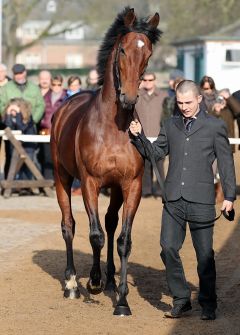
(94, 289)
(110, 286)
(72, 293)
(122, 311)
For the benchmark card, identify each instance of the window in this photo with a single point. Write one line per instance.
(74, 60)
(232, 55)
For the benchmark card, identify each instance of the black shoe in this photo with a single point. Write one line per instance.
(208, 314)
(178, 310)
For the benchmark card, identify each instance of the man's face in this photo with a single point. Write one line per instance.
(20, 78)
(188, 103)
(44, 79)
(149, 82)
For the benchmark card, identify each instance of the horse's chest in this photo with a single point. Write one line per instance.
(112, 162)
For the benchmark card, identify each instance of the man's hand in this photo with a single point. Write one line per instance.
(135, 127)
(228, 205)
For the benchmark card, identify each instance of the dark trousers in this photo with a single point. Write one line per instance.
(173, 233)
(45, 159)
(148, 186)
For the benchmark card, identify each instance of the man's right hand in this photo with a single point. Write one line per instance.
(135, 127)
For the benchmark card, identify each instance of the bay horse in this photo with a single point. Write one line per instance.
(90, 141)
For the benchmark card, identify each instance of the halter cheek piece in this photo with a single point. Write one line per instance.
(117, 73)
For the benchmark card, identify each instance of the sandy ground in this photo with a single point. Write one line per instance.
(32, 264)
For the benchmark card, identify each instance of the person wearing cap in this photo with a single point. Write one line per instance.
(21, 87)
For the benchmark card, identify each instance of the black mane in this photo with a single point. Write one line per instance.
(118, 28)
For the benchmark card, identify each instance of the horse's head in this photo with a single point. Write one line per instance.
(129, 42)
(133, 52)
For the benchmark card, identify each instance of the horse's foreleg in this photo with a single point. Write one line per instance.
(90, 196)
(131, 201)
(63, 189)
(111, 221)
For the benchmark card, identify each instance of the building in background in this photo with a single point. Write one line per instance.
(216, 55)
(70, 49)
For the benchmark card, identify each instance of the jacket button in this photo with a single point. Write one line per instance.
(187, 139)
(185, 153)
(182, 183)
(184, 169)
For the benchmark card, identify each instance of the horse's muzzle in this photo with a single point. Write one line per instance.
(126, 102)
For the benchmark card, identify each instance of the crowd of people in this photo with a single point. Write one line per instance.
(29, 107)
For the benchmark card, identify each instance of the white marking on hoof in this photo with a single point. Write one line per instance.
(140, 43)
(71, 283)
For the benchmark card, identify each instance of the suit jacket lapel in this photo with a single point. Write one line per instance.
(197, 124)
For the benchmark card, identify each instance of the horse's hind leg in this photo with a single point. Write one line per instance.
(111, 221)
(63, 188)
(131, 201)
(90, 193)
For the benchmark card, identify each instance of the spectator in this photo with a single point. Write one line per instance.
(18, 116)
(226, 108)
(74, 85)
(208, 92)
(4, 79)
(172, 77)
(53, 99)
(44, 80)
(21, 87)
(236, 95)
(170, 106)
(92, 80)
(149, 110)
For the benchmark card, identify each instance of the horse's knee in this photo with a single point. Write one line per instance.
(68, 230)
(124, 245)
(97, 238)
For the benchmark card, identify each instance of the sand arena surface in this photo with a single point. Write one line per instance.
(32, 263)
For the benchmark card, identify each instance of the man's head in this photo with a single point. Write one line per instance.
(44, 79)
(3, 72)
(92, 79)
(188, 98)
(19, 74)
(149, 82)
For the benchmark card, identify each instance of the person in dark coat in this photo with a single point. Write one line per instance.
(193, 139)
(18, 116)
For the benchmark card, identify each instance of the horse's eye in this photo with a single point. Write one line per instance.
(122, 51)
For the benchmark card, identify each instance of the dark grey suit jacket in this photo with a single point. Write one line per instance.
(191, 155)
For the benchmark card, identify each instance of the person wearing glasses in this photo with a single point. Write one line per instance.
(53, 99)
(149, 110)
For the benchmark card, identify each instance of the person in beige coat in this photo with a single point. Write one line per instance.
(149, 110)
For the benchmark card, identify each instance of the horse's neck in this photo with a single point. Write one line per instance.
(111, 108)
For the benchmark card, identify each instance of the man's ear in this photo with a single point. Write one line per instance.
(199, 98)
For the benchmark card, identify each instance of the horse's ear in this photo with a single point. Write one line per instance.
(129, 18)
(154, 20)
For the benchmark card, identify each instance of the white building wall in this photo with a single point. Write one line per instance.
(225, 74)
